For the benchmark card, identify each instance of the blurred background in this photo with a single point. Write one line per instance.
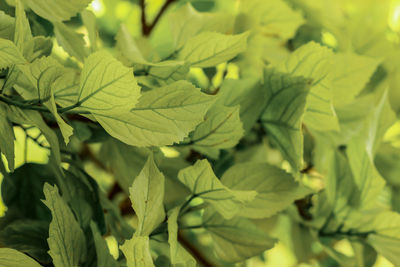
(368, 27)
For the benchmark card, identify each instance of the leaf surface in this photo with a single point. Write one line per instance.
(66, 238)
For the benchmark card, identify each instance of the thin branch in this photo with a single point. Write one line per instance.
(146, 28)
(347, 234)
(200, 258)
(25, 105)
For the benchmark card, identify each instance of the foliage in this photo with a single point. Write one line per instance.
(199, 132)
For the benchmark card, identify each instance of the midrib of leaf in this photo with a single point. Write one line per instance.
(213, 130)
(168, 107)
(213, 55)
(146, 202)
(59, 231)
(224, 237)
(81, 101)
(129, 122)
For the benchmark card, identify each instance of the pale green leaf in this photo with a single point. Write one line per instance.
(22, 34)
(179, 256)
(129, 51)
(9, 54)
(388, 247)
(66, 88)
(315, 62)
(126, 161)
(167, 72)
(42, 74)
(384, 231)
(362, 148)
(107, 87)
(276, 17)
(13, 258)
(104, 258)
(147, 195)
(221, 129)
(202, 182)
(57, 10)
(283, 113)
(163, 116)
(137, 252)
(7, 26)
(276, 189)
(351, 73)
(72, 42)
(249, 93)
(236, 239)
(66, 239)
(186, 23)
(37, 47)
(210, 48)
(7, 138)
(89, 20)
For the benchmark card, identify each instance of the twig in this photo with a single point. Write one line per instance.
(146, 28)
(25, 105)
(348, 233)
(200, 258)
(87, 153)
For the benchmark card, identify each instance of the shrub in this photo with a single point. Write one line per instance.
(199, 133)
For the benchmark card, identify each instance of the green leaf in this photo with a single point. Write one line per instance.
(81, 194)
(314, 61)
(283, 113)
(57, 10)
(7, 138)
(209, 49)
(118, 226)
(72, 42)
(89, 20)
(137, 252)
(362, 148)
(66, 88)
(221, 129)
(127, 48)
(276, 189)
(7, 26)
(147, 196)
(66, 238)
(202, 182)
(249, 93)
(23, 189)
(28, 236)
(23, 33)
(236, 239)
(389, 247)
(350, 74)
(167, 72)
(9, 54)
(42, 74)
(107, 87)
(13, 258)
(38, 46)
(163, 116)
(186, 23)
(125, 161)
(276, 17)
(104, 258)
(179, 256)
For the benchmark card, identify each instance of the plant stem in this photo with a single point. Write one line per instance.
(200, 258)
(23, 105)
(348, 234)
